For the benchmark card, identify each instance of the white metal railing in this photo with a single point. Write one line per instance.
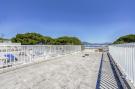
(11, 55)
(124, 56)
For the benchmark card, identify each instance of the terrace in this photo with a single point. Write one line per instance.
(65, 67)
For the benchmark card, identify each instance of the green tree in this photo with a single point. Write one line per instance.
(35, 38)
(125, 39)
(31, 39)
(66, 40)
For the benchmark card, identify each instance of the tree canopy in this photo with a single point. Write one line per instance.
(3, 39)
(35, 38)
(66, 40)
(125, 39)
(31, 39)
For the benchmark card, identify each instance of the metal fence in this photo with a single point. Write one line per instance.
(11, 55)
(124, 56)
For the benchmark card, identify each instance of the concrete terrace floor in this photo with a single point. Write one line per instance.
(68, 72)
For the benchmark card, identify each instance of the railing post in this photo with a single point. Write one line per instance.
(124, 57)
(24, 54)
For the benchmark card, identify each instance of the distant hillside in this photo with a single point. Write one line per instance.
(87, 43)
(125, 39)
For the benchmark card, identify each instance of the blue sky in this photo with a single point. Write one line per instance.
(91, 20)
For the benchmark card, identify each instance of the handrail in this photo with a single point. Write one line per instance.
(124, 57)
(11, 55)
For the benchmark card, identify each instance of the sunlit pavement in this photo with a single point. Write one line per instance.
(69, 72)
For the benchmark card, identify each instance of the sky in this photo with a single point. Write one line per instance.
(94, 21)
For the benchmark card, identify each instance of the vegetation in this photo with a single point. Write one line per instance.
(65, 40)
(31, 39)
(35, 38)
(125, 39)
(3, 39)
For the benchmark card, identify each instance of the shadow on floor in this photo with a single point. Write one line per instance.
(107, 78)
